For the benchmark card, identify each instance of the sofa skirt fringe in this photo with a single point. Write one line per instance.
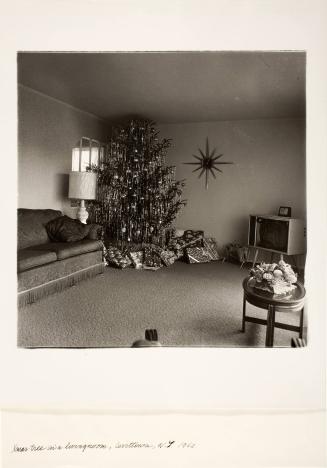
(32, 295)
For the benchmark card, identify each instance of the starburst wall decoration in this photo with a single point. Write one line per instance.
(207, 163)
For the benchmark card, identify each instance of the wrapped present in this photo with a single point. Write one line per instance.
(194, 237)
(168, 257)
(197, 255)
(176, 246)
(152, 259)
(210, 245)
(155, 247)
(179, 232)
(180, 243)
(173, 244)
(137, 259)
(117, 258)
(179, 254)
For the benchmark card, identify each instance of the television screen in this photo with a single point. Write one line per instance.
(272, 234)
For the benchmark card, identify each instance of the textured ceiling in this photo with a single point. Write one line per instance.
(172, 86)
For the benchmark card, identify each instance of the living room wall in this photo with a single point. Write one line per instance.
(48, 129)
(268, 172)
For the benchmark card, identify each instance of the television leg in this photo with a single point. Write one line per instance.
(255, 257)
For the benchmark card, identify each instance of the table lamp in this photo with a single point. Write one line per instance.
(82, 186)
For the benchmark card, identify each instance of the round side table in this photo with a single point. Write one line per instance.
(293, 302)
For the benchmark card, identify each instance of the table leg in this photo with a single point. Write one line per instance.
(270, 326)
(301, 323)
(244, 311)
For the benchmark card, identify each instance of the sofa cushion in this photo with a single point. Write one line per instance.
(31, 226)
(65, 229)
(70, 249)
(29, 258)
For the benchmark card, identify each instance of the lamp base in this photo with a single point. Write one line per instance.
(82, 213)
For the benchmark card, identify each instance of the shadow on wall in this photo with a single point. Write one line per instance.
(62, 185)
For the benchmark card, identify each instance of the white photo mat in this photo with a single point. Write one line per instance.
(176, 380)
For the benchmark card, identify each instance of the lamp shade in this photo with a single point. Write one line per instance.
(82, 185)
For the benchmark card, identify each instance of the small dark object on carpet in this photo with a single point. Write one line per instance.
(151, 339)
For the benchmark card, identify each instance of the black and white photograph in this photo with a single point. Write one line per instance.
(161, 199)
(163, 233)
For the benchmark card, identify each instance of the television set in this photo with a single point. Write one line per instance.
(277, 234)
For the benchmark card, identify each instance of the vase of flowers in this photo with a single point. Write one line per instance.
(276, 278)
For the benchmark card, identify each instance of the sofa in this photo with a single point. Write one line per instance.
(45, 266)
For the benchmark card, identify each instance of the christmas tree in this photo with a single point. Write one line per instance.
(138, 196)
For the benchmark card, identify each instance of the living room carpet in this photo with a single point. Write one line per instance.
(189, 305)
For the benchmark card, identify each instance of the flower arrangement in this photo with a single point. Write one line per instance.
(277, 278)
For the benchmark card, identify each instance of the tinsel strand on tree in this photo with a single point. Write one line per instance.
(138, 196)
